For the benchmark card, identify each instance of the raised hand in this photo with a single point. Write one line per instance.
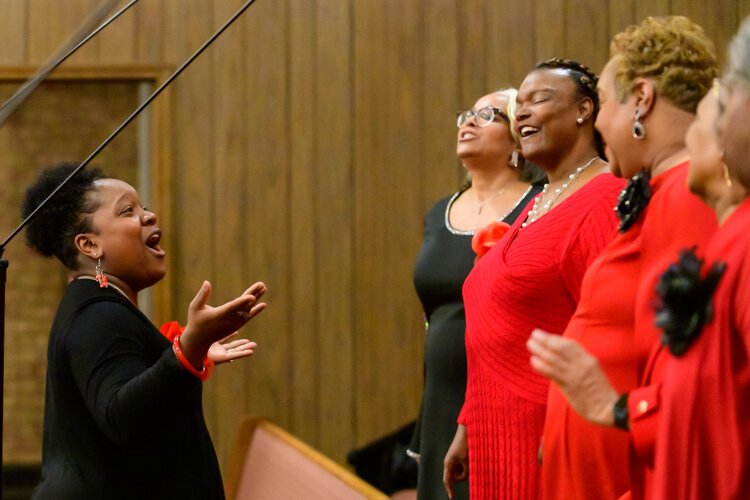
(207, 324)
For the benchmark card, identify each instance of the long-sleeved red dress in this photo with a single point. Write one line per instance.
(703, 447)
(614, 322)
(530, 279)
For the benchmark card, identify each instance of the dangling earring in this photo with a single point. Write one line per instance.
(514, 159)
(100, 276)
(639, 131)
(727, 177)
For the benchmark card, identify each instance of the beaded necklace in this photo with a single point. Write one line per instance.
(537, 211)
(86, 277)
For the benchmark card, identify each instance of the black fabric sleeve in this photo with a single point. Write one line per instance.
(127, 394)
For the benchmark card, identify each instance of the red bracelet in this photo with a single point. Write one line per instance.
(203, 374)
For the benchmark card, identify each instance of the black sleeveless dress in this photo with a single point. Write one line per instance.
(442, 264)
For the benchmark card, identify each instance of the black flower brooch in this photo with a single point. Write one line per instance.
(685, 300)
(633, 199)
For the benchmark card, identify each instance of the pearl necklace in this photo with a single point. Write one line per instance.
(537, 211)
(480, 206)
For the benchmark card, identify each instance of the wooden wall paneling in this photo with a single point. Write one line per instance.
(512, 48)
(304, 354)
(440, 172)
(369, 93)
(190, 23)
(117, 41)
(473, 59)
(719, 19)
(588, 32)
(621, 15)
(74, 13)
(388, 219)
(269, 234)
(334, 228)
(149, 32)
(48, 28)
(550, 29)
(13, 36)
(230, 276)
(162, 194)
(174, 46)
(645, 8)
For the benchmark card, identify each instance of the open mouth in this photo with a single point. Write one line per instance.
(467, 135)
(152, 242)
(528, 130)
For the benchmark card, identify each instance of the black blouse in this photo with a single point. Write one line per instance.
(122, 418)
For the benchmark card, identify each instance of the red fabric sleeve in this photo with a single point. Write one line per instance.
(596, 231)
(644, 409)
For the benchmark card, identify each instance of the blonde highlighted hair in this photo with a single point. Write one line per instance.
(673, 53)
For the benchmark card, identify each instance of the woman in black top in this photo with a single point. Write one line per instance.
(123, 410)
(500, 188)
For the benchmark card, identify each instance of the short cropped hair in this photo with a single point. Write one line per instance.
(672, 52)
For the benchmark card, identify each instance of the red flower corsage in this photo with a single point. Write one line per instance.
(487, 237)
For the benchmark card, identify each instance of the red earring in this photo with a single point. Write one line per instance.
(100, 276)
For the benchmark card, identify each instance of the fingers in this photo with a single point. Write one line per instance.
(447, 484)
(256, 289)
(243, 352)
(257, 309)
(235, 343)
(200, 299)
(544, 368)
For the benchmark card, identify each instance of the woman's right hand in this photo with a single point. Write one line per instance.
(207, 324)
(456, 464)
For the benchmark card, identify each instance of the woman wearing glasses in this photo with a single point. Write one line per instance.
(531, 276)
(499, 189)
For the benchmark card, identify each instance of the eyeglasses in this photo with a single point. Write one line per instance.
(484, 116)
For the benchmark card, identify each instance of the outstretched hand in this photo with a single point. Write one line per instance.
(577, 373)
(221, 352)
(208, 324)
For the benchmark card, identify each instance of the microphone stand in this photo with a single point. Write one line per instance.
(112, 136)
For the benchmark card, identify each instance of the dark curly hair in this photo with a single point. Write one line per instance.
(52, 231)
(585, 81)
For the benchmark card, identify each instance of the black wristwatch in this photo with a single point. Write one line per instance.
(621, 413)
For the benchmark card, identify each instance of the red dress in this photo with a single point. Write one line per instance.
(530, 279)
(587, 461)
(704, 434)
(680, 220)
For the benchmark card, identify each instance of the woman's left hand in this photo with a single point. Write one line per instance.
(223, 351)
(577, 373)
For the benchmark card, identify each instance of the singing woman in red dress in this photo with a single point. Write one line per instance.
(644, 116)
(532, 275)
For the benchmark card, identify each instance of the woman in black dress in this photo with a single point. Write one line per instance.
(123, 410)
(501, 185)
